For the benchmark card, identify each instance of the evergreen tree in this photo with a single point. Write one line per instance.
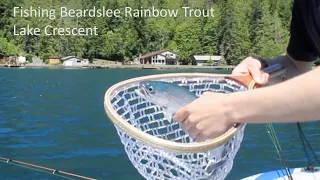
(267, 35)
(234, 39)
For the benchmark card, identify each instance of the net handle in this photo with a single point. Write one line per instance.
(193, 147)
(274, 70)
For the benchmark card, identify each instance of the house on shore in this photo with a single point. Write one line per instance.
(3, 59)
(207, 60)
(17, 60)
(73, 61)
(54, 60)
(11, 60)
(21, 59)
(161, 57)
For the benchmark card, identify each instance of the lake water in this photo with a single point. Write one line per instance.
(55, 118)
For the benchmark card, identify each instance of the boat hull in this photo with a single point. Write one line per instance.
(297, 174)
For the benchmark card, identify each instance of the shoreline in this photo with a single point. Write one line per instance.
(120, 66)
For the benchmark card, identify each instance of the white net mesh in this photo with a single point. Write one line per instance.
(156, 163)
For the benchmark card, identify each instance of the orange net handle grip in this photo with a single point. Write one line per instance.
(247, 80)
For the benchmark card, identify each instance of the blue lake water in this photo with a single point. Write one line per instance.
(55, 118)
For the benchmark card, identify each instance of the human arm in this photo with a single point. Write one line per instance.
(301, 51)
(293, 67)
(296, 97)
(295, 100)
(253, 65)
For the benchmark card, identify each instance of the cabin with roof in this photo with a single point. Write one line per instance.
(161, 57)
(11, 60)
(3, 59)
(21, 59)
(204, 60)
(73, 61)
(54, 60)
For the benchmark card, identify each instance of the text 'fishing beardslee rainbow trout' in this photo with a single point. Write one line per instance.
(169, 96)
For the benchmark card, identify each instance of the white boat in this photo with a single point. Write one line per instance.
(296, 173)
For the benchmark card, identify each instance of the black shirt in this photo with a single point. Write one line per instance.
(304, 42)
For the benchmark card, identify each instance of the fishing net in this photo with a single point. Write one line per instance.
(162, 150)
(159, 149)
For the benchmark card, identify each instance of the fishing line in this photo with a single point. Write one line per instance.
(304, 147)
(46, 170)
(276, 143)
(305, 144)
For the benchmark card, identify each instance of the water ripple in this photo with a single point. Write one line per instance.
(84, 152)
(6, 130)
(36, 133)
(33, 144)
(56, 118)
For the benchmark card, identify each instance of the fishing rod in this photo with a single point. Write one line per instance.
(305, 144)
(276, 143)
(62, 174)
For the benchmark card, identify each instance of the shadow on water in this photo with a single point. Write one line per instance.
(55, 118)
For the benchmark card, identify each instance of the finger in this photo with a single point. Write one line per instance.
(207, 131)
(201, 137)
(206, 135)
(187, 125)
(240, 71)
(195, 130)
(256, 74)
(181, 114)
(266, 77)
(200, 131)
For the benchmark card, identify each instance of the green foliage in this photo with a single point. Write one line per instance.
(209, 61)
(317, 62)
(29, 58)
(7, 48)
(238, 29)
(267, 34)
(187, 40)
(234, 38)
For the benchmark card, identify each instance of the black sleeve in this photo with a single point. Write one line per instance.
(300, 45)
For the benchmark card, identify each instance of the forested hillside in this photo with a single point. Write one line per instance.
(239, 28)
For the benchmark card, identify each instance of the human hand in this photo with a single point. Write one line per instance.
(206, 117)
(252, 66)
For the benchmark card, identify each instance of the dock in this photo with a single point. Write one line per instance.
(10, 65)
(92, 66)
(146, 67)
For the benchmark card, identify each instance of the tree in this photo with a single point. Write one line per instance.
(267, 35)
(187, 41)
(238, 29)
(234, 39)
